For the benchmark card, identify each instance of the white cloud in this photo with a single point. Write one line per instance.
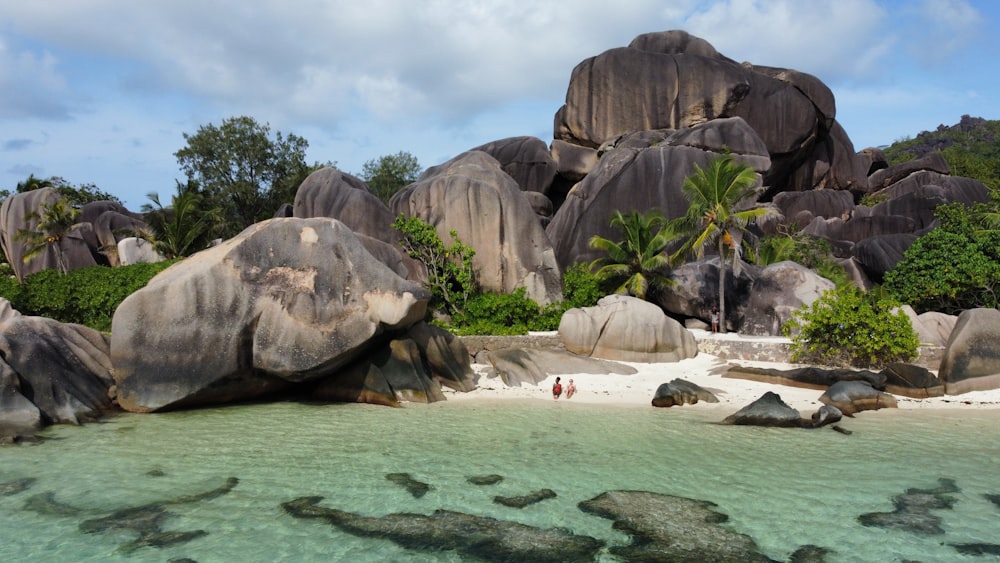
(30, 85)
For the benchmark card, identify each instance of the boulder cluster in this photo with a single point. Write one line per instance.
(322, 302)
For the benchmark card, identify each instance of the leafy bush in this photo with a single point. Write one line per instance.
(809, 251)
(848, 327)
(449, 269)
(953, 267)
(87, 296)
(581, 287)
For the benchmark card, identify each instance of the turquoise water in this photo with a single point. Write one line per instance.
(783, 487)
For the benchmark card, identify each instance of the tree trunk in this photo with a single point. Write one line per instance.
(722, 286)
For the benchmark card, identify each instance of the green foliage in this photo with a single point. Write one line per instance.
(449, 269)
(87, 296)
(496, 313)
(243, 169)
(809, 251)
(847, 327)
(186, 226)
(953, 267)
(386, 175)
(77, 196)
(970, 147)
(635, 263)
(722, 199)
(54, 222)
(581, 287)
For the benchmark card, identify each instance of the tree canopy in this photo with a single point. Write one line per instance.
(76, 196)
(387, 174)
(244, 169)
(637, 263)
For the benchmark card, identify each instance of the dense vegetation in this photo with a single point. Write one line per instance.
(87, 296)
(971, 147)
(852, 328)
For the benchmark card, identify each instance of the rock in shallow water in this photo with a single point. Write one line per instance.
(475, 537)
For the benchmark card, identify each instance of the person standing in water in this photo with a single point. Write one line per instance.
(556, 389)
(570, 390)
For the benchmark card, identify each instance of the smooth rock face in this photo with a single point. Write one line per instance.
(525, 159)
(768, 410)
(696, 290)
(856, 396)
(285, 301)
(134, 250)
(14, 217)
(778, 291)
(51, 372)
(328, 192)
(681, 392)
(474, 197)
(517, 366)
(626, 329)
(971, 359)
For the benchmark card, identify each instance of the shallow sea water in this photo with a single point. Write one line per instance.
(783, 487)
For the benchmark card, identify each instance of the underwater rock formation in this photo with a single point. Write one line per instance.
(522, 501)
(913, 510)
(412, 486)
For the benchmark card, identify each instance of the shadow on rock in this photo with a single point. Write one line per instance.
(913, 510)
(478, 537)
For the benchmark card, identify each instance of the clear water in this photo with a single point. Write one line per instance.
(783, 487)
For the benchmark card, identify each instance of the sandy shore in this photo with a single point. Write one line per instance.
(704, 370)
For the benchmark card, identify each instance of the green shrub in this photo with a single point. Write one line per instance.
(581, 287)
(848, 327)
(87, 296)
(450, 276)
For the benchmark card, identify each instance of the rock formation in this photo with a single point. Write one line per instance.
(971, 359)
(681, 392)
(626, 329)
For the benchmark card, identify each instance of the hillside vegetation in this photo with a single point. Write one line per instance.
(971, 147)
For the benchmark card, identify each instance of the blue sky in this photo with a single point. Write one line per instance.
(102, 91)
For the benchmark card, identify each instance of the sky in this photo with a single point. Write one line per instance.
(102, 91)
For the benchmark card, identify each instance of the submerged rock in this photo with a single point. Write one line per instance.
(13, 487)
(670, 528)
(412, 486)
(475, 537)
(482, 480)
(525, 500)
(912, 513)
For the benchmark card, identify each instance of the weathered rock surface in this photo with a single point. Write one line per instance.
(696, 289)
(671, 528)
(642, 172)
(519, 366)
(855, 396)
(681, 392)
(911, 381)
(971, 359)
(626, 329)
(285, 301)
(134, 250)
(878, 254)
(808, 377)
(50, 372)
(328, 192)
(525, 159)
(15, 215)
(778, 291)
(110, 223)
(768, 410)
(473, 537)
(474, 197)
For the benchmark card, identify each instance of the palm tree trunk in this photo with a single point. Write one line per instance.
(722, 286)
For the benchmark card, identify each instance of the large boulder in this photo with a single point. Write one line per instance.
(778, 291)
(695, 290)
(971, 360)
(16, 214)
(626, 329)
(135, 250)
(110, 223)
(673, 80)
(856, 396)
(285, 301)
(768, 410)
(525, 159)
(681, 392)
(51, 372)
(328, 192)
(879, 254)
(642, 172)
(472, 196)
(519, 366)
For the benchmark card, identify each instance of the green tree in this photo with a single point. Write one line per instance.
(185, 226)
(722, 199)
(56, 221)
(387, 174)
(636, 262)
(851, 328)
(449, 268)
(789, 243)
(76, 196)
(955, 266)
(245, 170)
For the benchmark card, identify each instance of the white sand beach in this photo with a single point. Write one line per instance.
(704, 370)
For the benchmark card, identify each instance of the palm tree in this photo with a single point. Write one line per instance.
(723, 203)
(56, 221)
(639, 258)
(184, 226)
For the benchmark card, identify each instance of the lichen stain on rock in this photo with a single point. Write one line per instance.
(394, 309)
(301, 280)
